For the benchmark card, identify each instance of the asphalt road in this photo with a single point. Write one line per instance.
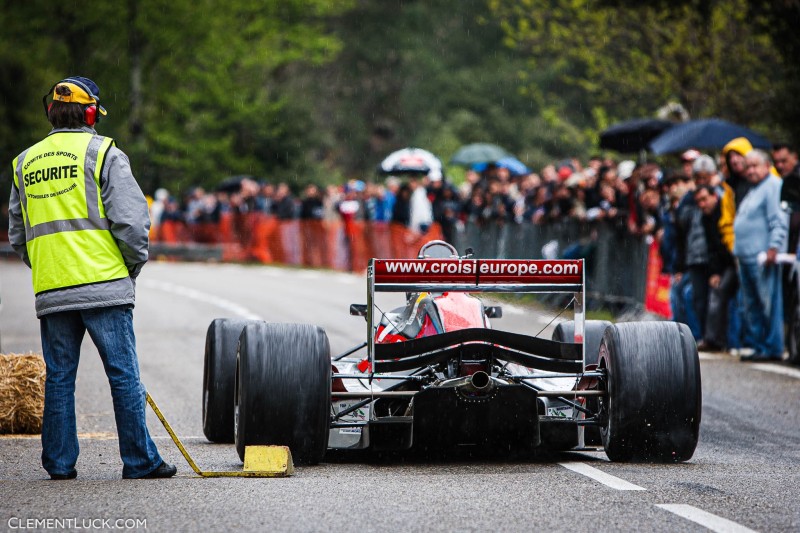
(745, 474)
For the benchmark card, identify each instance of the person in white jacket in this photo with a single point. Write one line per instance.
(421, 208)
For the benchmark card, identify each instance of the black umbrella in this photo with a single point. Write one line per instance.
(633, 136)
(231, 184)
(704, 134)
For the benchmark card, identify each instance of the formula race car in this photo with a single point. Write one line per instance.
(435, 375)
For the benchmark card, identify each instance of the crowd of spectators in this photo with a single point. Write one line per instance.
(626, 194)
(691, 210)
(725, 224)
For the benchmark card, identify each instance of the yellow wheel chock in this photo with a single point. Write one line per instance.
(259, 461)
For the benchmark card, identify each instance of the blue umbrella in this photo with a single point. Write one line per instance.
(704, 134)
(514, 166)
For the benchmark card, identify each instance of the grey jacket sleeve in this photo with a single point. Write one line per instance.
(16, 226)
(777, 219)
(126, 209)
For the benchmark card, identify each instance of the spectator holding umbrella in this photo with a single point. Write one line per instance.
(760, 228)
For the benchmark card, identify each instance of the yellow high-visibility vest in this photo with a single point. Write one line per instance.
(66, 229)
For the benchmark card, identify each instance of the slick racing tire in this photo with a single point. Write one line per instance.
(283, 389)
(652, 410)
(219, 370)
(593, 336)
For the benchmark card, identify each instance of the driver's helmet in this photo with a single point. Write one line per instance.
(437, 250)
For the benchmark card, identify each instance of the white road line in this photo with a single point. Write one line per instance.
(705, 519)
(200, 296)
(707, 356)
(777, 369)
(598, 475)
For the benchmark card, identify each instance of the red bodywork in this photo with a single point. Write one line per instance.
(456, 311)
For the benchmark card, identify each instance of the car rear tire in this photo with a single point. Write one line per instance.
(283, 389)
(593, 336)
(219, 374)
(653, 405)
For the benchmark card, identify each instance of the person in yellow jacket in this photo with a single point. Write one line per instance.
(727, 204)
(78, 218)
(734, 153)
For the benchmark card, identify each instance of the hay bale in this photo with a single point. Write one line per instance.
(21, 393)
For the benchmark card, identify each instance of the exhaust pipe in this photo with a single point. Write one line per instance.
(480, 382)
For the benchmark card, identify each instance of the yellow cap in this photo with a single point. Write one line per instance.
(78, 95)
(740, 145)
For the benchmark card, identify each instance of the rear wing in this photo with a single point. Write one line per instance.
(476, 275)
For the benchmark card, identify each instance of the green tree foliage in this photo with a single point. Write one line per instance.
(433, 74)
(320, 90)
(626, 61)
(195, 90)
(778, 19)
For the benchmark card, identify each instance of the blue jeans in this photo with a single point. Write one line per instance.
(735, 321)
(680, 300)
(111, 330)
(763, 307)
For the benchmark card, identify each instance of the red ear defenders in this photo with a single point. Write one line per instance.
(90, 114)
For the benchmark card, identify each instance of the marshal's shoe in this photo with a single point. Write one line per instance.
(62, 477)
(164, 470)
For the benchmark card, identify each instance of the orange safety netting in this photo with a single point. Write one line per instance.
(312, 243)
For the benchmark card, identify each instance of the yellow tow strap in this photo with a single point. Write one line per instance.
(260, 461)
